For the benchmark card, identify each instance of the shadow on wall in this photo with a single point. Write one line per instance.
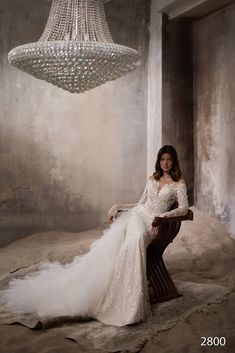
(38, 202)
(47, 167)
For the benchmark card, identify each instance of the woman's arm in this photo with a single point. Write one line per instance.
(125, 207)
(182, 200)
(114, 209)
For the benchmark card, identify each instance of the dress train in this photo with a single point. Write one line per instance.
(107, 283)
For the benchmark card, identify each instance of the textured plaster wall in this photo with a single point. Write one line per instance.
(154, 88)
(66, 159)
(170, 91)
(215, 115)
(177, 94)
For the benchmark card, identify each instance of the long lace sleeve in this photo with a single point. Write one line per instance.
(182, 199)
(144, 196)
(142, 200)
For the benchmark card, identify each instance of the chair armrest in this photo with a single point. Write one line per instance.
(161, 220)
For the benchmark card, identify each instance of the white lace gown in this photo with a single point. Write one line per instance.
(109, 282)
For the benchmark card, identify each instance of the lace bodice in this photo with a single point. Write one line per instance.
(158, 200)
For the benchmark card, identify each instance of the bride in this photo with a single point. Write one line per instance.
(109, 282)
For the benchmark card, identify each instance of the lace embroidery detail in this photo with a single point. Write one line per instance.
(157, 201)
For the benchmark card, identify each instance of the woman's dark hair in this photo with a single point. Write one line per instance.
(175, 171)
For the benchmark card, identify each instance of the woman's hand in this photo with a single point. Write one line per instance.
(155, 230)
(156, 222)
(113, 212)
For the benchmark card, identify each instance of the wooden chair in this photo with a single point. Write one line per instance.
(159, 278)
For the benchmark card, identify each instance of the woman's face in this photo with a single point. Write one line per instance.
(166, 162)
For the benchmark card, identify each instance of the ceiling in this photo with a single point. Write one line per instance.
(190, 8)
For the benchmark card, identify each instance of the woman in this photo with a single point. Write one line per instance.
(109, 282)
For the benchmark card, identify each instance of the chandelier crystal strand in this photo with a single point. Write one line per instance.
(75, 51)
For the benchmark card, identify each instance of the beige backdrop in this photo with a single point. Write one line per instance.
(66, 159)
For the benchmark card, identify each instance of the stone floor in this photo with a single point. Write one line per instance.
(201, 260)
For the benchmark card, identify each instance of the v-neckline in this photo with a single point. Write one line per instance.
(160, 188)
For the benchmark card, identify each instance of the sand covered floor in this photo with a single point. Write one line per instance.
(201, 259)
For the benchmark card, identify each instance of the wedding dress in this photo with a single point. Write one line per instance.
(109, 282)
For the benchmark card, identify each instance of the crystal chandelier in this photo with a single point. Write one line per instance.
(76, 51)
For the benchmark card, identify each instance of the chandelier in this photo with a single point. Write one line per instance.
(76, 51)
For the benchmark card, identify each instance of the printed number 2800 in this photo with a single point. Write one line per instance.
(213, 341)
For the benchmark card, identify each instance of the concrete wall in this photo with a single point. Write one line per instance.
(194, 104)
(66, 159)
(177, 94)
(215, 115)
(170, 91)
(154, 88)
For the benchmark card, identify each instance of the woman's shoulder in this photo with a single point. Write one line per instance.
(151, 178)
(180, 182)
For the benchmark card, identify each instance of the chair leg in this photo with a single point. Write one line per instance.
(161, 282)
